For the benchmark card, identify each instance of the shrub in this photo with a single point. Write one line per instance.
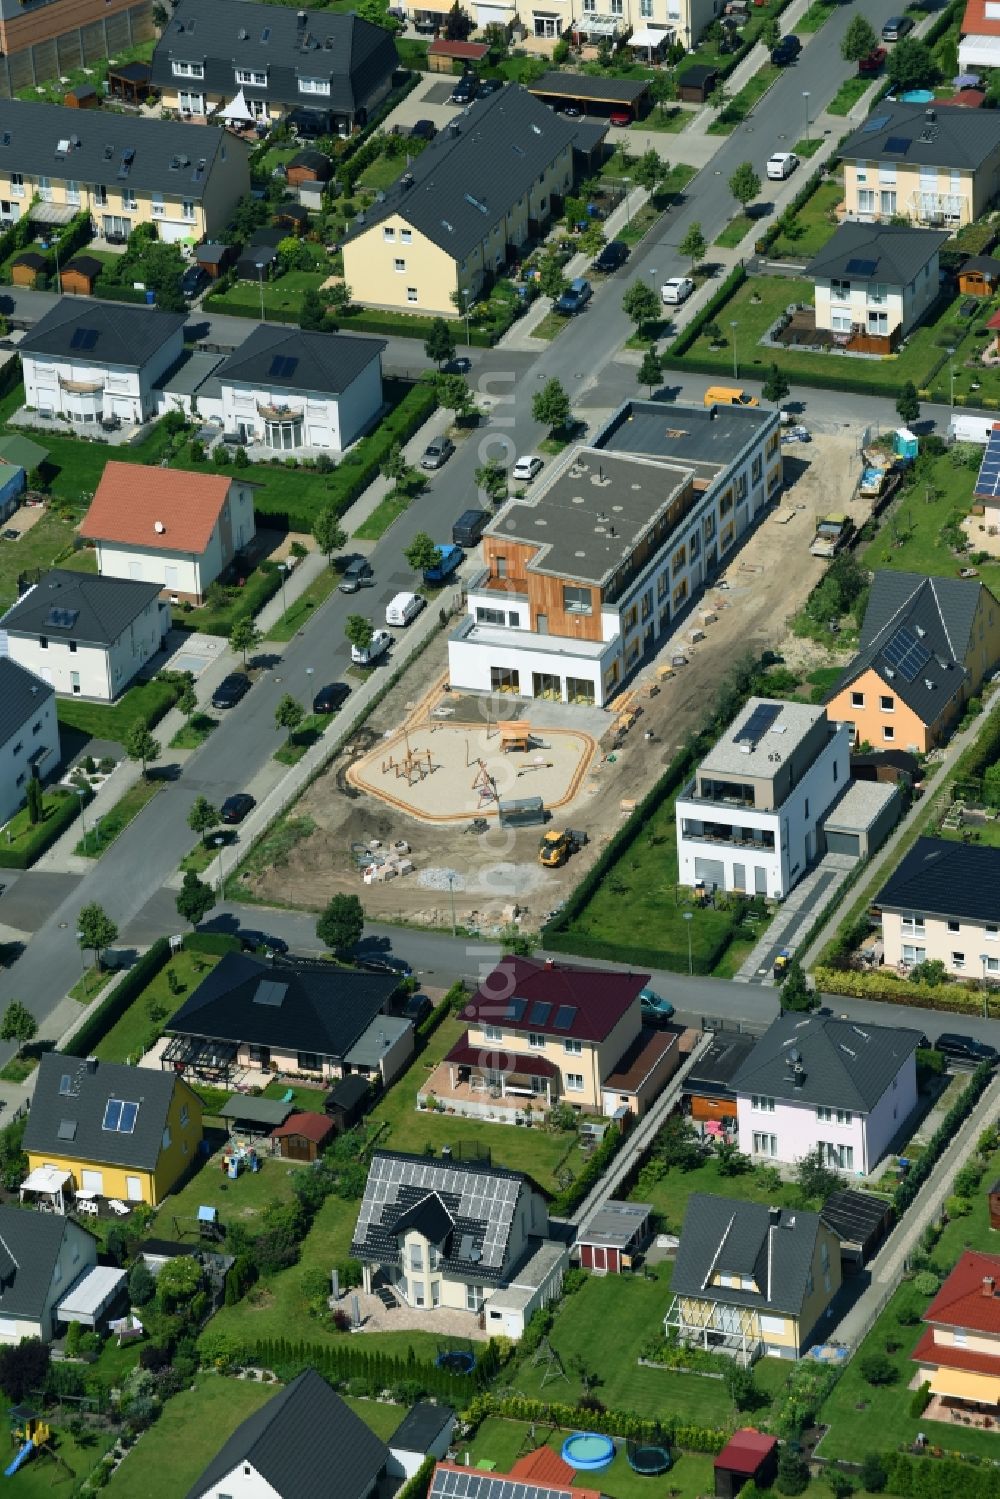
(873, 1473)
(793, 1472)
(926, 1283)
(920, 1400)
(878, 1369)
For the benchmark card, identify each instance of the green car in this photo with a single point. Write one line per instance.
(655, 1008)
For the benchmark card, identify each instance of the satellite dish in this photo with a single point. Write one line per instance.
(159, 527)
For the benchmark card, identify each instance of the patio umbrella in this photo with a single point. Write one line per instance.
(966, 80)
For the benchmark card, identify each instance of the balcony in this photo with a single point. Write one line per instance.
(471, 633)
(720, 794)
(701, 832)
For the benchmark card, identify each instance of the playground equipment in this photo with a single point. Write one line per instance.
(484, 784)
(547, 1358)
(237, 1158)
(28, 1433)
(515, 735)
(415, 765)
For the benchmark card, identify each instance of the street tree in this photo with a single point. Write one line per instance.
(95, 930)
(593, 239)
(394, 466)
(639, 302)
(439, 344)
(551, 280)
(453, 394)
(694, 245)
(203, 818)
(341, 924)
(859, 40)
(288, 715)
(140, 744)
(195, 900)
(551, 406)
(770, 33)
(650, 370)
(188, 701)
(491, 480)
(18, 1024)
(776, 386)
(744, 184)
(421, 553)
(908, 403)
(359, 631)
(328, 534)
(911, 64)
(719, 97)
(244, 637)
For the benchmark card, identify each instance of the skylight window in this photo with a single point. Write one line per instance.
(119, 1116)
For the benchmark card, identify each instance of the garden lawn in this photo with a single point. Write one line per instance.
(148, 701)
(129, 1037)
(910, 537)
(39, 548)
(283, 294)
(669, 1195)
(172, 1454)
(502, 1442)
(310, 1100)
(106, 829)
(19, 833)
(236, 1201)
(74, 467)
(814, 219)
(308, 601)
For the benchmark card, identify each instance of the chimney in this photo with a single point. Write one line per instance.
(90, 1065)
(989, 1285)
(773, 1217)
(930, 115)
(550, 962)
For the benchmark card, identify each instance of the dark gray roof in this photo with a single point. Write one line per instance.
(985, 263)
(941, 878)
(51, 140)
(710, 438)
(357, 57)
(87, 265)
(891, 253)
(21, 696)
(599, 88)
(955, 137)
(738, 1238)
(69, 1104)
(713, 1072)
(278, 358)
(448, 193)
(937, 614)
(316, 161)
(421, 1426)
(348, 1092)
(856, 1217)
(816, 1059)
(297, 1441)
(126, 336)
(78, 606)
(29, 1247)
(299, 1005)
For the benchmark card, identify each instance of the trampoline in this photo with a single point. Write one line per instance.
(456, 1361)
(649, 1456)
(588, 1451)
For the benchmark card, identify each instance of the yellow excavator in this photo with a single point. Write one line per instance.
(557, 845)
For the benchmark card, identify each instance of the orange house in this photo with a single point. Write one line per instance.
(927, 644)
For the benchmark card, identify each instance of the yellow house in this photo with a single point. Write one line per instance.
(126, 170)
(750, 1279)
(933, 164)
(450, 223)
(119, 1132)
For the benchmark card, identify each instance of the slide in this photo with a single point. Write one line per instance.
(21, 1457)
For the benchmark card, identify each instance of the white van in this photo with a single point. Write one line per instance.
(404, 608)
(380, 642)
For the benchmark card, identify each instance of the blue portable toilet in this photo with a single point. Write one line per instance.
(906, 444)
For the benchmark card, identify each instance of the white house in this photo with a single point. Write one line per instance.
(42, 1257)
(812, 1080)
(91, 361)
(29, 734)
(85, 636)
(586, 577)
(287, 390)
(167, 526)
(750, 818)
(979, 44)
(875, 281)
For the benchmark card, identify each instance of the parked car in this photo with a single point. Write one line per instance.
(252, 941)
(676, 290)
(193, 280)
(357, 574)
(331, 697)
(231, 690)
(655, 1009)
(873, 62)
(781, 165)
(786, 51)
(375, 649)
(449, 560)
(465, 89)
(236, 807)
(404, 608)
(437, 452)
(612, 257)
(575, 297)
(571, 112)
(424, 130)
(797, 433)
(385, 963)
(468, 529)
(526, 468)
(967, 1050)
(489, 86)
(460, 365)
(896, 28)
(621, 117)
(415, 1007)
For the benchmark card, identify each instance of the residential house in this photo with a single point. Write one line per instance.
(635, 523)
(285, 390)
(982, 524)
(927, 645)
(272, 59)
(290, 1448)
(959, 1354)
(979, 36)
(751, 1280)
(42, 41)
(114, 1131)
(85, 636)
(167, 526)
(125, 169)
(541, 1473)
(453, 1234)
(98, 361)
(931, 164)
(537, 1033)
(425, 1431)
(42, 1257)
(646, 24)
(29, 734)
(249, 1017)
(613, 1238)
(751, 817)
(447, 227)
(709, 1095)
(818, 1083)
(874, 283)
(940, 904)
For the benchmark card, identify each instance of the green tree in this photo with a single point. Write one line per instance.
(188, 701)
(719, 97)
(35, 801)
(453, 394)
(160, 17)
(639, 302)
(203, 817)
(195, 900)
(340, 294)
(650, 169)
(18, 1024)
(908, 402)
(95, 930)
(439, 345)
(177, 1282)
(650, 370)
(877, 1368)
(677, 1144)
(341, 924)
(550, 405)
(421, 553)
(840, 1484)
(770, 32)
(140, 744)
(141, 1285)
(793, 1471)
(859, 39)
(491, 480)
(244, 637)
(328, 534)
(873, 1473)
(312, 313)
(551, 280)
(816, 1179)
(911, 64)
(744, 184)
(359, 631)
(288, 715)
(694, 245)
(744, 1391)
(458, 26)
(795, 993)
(776, 386)
(394, 466)
(593, 238)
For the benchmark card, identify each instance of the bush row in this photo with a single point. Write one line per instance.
(404, 326)
(44, 834)
(610, 1422)
(890, 989)
(942, 1137)
(939, 1478)
(439, 1014)
(715, 304)
(570, 1197)
(417, 1486)
(114, 1005)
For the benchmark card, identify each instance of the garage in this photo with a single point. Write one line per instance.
(844, 843)
(319, 437)
(859, 823)
(121, 407)
(710, 872)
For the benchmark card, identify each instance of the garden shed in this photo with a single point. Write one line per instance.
(696, 83)
(861, 1222)
(303, 1136)
(979, 276)
(346, 1103)
(80, 276)
(84, 96)
(748, 1456)
(442, 54)
(27, 268)
(254, 1117)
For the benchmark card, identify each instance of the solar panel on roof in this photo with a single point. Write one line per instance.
(283, 365)
(565, 1015)
(877, 122)
(988, 482)
(61, 619)
(897, 145)
(540, 1012)
(268, 992)
(758, 723)
(860, 267)
(83, 338)
(906, 654)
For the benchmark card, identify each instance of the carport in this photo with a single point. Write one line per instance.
(861, 1222)
(254, 1117)
(862, 819)
(597, 96)
(92, 1297)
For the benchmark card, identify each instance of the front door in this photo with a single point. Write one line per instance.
(133, 1189)
(93, 1181)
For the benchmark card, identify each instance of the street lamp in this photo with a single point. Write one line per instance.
(451, 892)
(805, 95)
(626, 183)
(689, 917)
(984, 958)
(220, 842)
(83, 956)
(282, 569)
(260, 278)
(466, 294)
(951, 376)
(734, 325)
(83, 815)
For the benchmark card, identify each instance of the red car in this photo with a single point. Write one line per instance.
(873, 62)
(621, 117)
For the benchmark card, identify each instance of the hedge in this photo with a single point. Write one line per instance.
(399, 325)
(438, 1015)
(216, 943)
(417, 1486)
(949, 1477)
(570, 1197)
(887, 988)
(45, 833)
(674, 959)
(715, 304)
(114, 1005)
(942, 1137)
(610, 1422)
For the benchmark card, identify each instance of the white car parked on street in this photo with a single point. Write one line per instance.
(676, 290)
(781, 165)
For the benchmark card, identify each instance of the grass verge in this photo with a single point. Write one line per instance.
(106, 829)
(195, 732)
(312, 596)
(305, 736)
(735, 231)
(848, 94)
(386, 511)
(90, 985)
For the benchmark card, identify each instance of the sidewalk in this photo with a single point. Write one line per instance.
(751, 64)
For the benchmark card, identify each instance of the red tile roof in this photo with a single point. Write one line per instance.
(745, 1450)
(315, 1127)
(976, 22)
(131, 500)
(598, 997)
(966, 98)
(499, 1059)
(929, 1352)
(544, 1466)
(557, 1491)
(964, 1300)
